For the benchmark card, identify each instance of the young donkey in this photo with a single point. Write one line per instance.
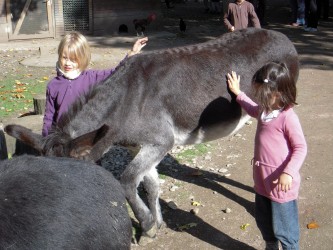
(61, 203)
(160, 99)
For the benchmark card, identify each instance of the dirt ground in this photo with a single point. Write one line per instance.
(218, 185)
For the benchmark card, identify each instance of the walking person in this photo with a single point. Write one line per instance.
(73, 79)
(311, 16)
(240, 15)
(298, 13)
(279, 152)
(323, 8)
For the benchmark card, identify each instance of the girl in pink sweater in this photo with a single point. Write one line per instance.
(280, 149)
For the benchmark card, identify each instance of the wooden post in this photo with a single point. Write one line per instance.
(3, 145)
(39, 104)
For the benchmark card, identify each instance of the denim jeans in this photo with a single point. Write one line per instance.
(278, 221)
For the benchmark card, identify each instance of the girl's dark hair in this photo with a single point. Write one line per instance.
(272, 79)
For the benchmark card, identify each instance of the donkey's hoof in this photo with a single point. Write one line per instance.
(162, 225)
(148, 237)
(151, 233)
(144, 240)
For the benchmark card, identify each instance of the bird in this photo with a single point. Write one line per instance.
(123, 29)
(141, 24)
(182, 25)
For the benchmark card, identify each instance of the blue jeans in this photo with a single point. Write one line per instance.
(278, 221)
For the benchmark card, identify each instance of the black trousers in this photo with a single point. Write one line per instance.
(311, 15)
(323, 7)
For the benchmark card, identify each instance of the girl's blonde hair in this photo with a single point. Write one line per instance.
(77, 47)
(272, 79)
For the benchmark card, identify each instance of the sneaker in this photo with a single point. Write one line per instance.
(309, 29)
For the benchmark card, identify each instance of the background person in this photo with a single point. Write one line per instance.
(240, 15)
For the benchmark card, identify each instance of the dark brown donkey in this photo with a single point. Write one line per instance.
(160, 99)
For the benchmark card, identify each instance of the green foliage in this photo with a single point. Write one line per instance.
(188, 154)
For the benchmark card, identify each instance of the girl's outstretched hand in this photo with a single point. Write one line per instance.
(233, 82)
(138, 45)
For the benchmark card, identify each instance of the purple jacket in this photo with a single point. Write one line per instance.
(62, 92)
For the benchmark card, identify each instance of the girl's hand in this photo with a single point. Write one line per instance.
(284, 182)
(138, 45)
(233, 82)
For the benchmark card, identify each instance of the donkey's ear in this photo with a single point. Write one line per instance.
(81, 146)
(25, 135)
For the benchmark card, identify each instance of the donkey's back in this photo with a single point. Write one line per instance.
(183, 88)
(61, 203)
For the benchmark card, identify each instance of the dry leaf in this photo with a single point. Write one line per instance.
(19, 96)
(195, 203)
(312, 225)
(244, 226)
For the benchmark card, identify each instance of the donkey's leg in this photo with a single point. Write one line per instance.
(152, 187)
(144, 163)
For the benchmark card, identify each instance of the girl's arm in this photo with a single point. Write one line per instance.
(247, 104)
(226, 20)
(138, 45)
(293, 131)
(254, 18)
(103, 74)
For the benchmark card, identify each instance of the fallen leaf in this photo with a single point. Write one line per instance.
(19, 90)
(312, 225)
(195, 203)
(18, 96)
(244, 226)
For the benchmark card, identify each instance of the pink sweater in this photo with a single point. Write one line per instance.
(279, 147)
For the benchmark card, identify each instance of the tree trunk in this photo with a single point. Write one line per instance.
(3, 145)
(39, 104)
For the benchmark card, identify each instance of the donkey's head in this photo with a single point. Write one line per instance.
(58, 144)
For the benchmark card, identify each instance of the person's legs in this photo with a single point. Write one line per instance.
(301, 12)
(311, 15)
(323, 8)
(263, 217)
(285, 224)
(293, 6)
(326, 6)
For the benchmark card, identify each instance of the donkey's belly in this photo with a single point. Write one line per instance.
(210, 132)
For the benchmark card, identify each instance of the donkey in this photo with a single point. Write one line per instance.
(61, 203)
(160, 99)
